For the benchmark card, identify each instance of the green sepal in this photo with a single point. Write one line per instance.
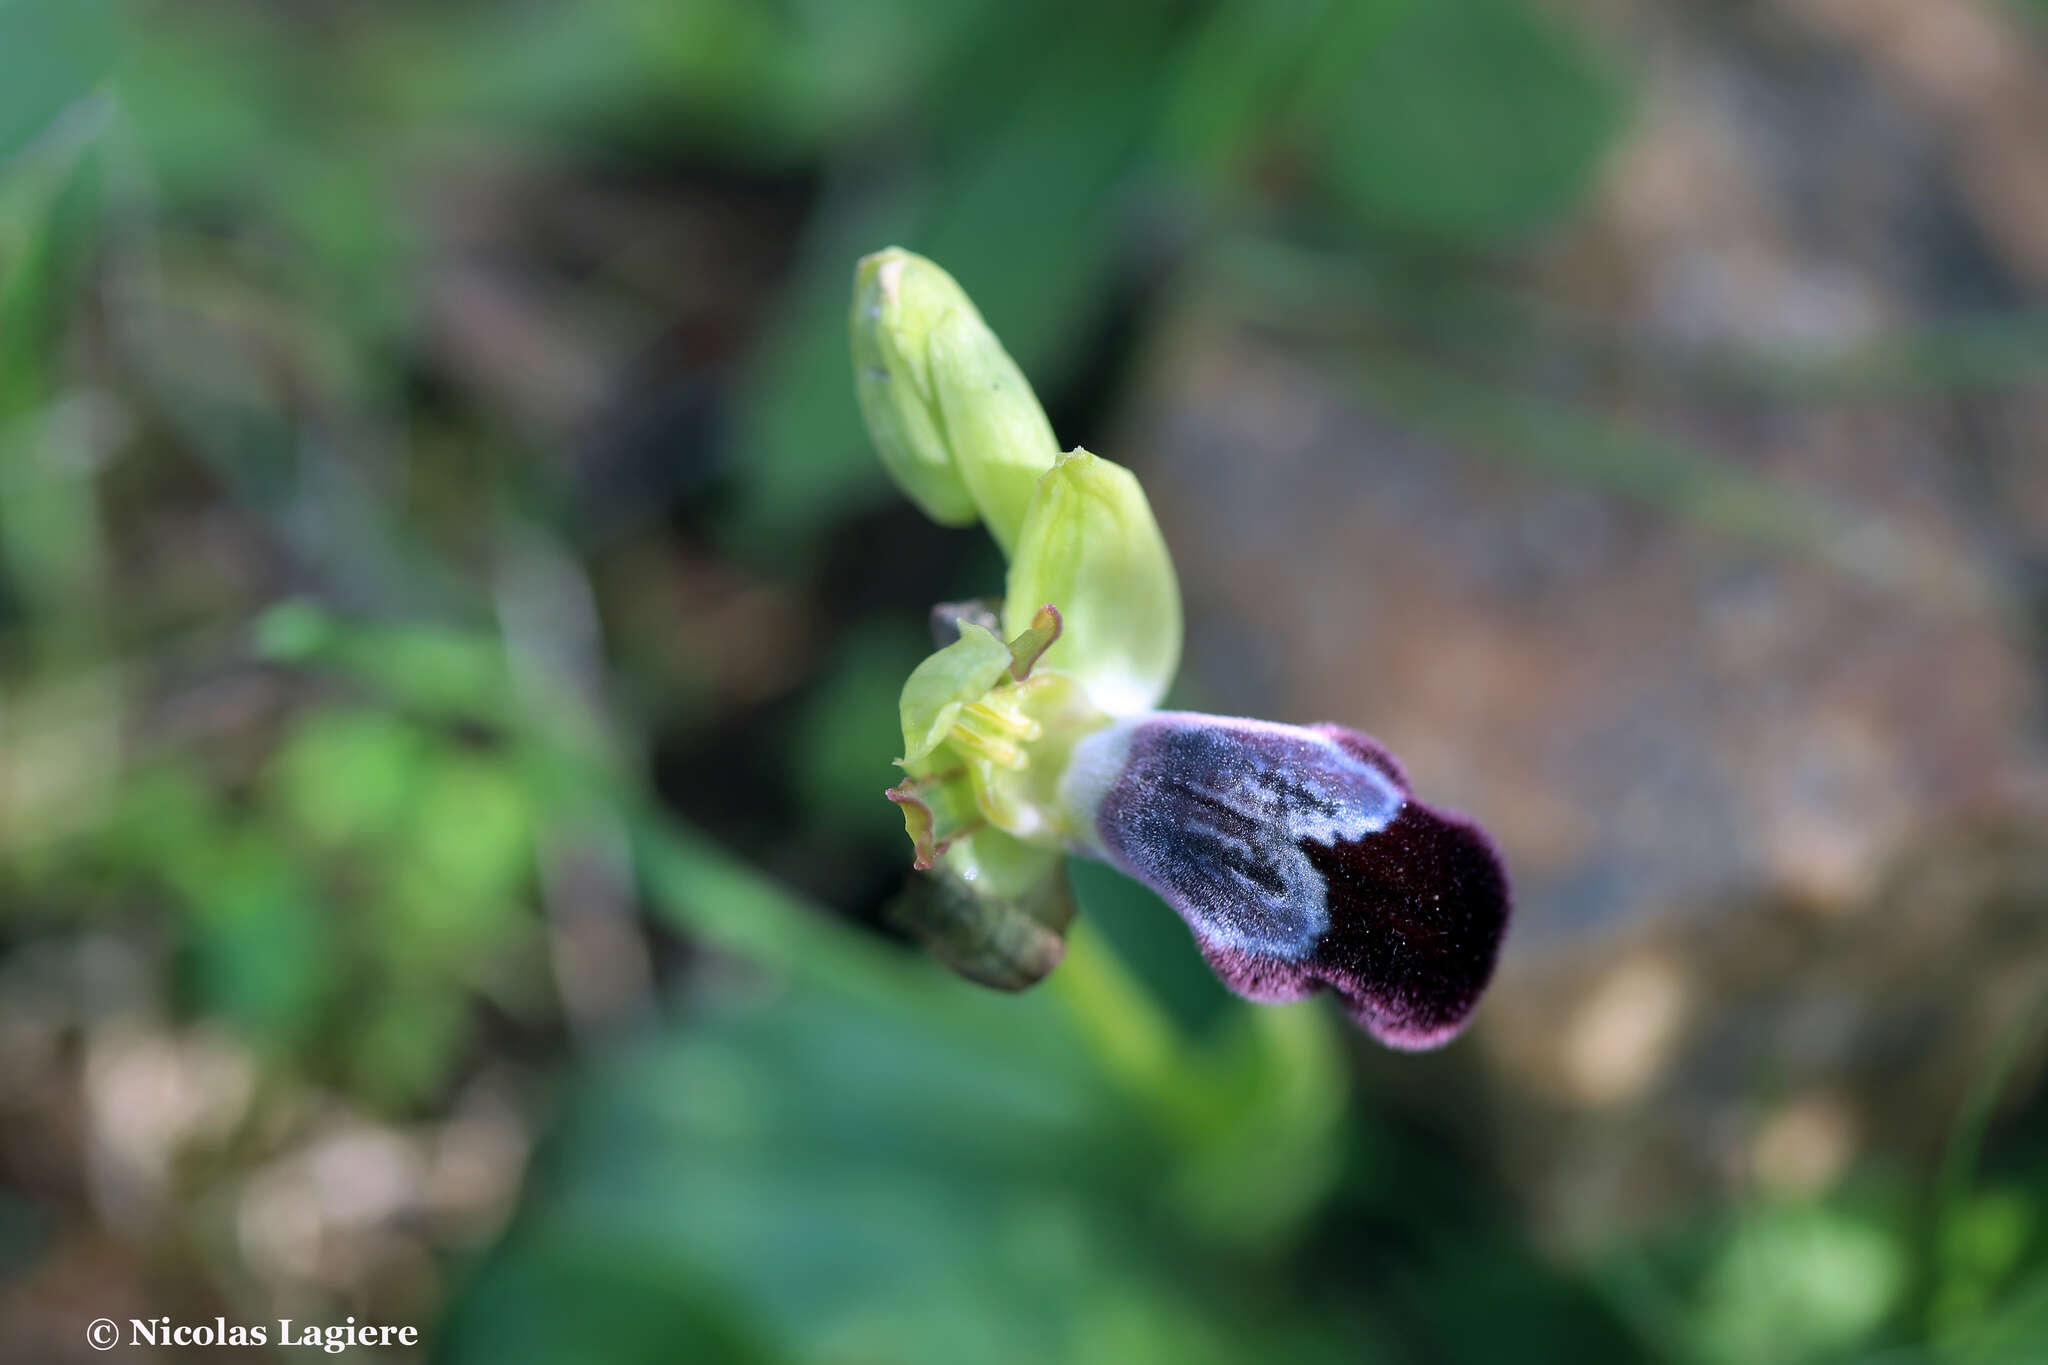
(999, 435)
(1089, 543)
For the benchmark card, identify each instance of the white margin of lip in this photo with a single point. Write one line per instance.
(1099, 759)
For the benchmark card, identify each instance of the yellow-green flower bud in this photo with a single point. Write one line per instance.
(956, 422)
(1090, 545)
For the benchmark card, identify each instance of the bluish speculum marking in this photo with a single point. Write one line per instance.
(1217, 815)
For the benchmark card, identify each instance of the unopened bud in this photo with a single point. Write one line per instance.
(956, 422)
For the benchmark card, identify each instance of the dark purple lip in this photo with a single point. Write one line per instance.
(1302, 863)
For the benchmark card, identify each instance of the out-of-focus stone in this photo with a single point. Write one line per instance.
(1809, 1041)
(1645, 712)
(1776, 811)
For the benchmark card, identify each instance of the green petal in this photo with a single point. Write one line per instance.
(1090, 546)
(938, 688)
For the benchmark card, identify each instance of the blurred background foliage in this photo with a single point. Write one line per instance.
(450, 621)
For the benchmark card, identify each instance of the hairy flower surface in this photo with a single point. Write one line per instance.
(1297, 855)
(1301, 862)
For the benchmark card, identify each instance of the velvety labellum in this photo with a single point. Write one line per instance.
(1301, 862)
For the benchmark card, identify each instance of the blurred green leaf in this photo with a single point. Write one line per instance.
(1239, 77)
(404, 1040)
(841, 743)
(2016, 1329)
(50, 204)
(1462, 123)
(346, 776)
(765, 84)
(1026, 221)
(1248, 1119)
(1155, 941)
(52, 546)
(165, 810)
(1798, 1284)
(259, 951)
(853, 1184)
(440, 671)
(601, 1299)
(52, 52)
(1991, 1232)
(216, 99)
(448, 889)
(471, 826)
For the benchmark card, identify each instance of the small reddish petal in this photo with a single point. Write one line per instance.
(1030, 646)
(917, 822)
(935, 813)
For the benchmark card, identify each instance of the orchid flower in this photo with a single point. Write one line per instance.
(1297, 855)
